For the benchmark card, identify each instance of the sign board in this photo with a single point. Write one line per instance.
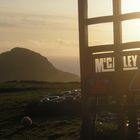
(107, 69)
(99, 85)
(130, 62)
(104, 71)
(116, 63)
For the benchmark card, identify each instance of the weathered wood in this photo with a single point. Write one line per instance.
(132, 116)
(112, 47)
(131, 45)
(130, 16)
(98, 20)
(88, 54)
(101, 48)
(117, 32)
(87, 118)
(105, 19)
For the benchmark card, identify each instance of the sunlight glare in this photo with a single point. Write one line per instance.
(97, 8)
(100, 34)
(131, 30)
(129, 6)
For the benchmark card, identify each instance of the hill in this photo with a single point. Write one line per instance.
(23, 64)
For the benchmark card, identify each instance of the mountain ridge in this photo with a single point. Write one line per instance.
(24, 64)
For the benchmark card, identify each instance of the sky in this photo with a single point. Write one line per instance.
(50, 27)
(45, 26)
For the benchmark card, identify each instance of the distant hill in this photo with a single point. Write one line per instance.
(23, 64)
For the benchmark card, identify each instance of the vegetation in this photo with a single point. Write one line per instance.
(14, 96)
(12, 111)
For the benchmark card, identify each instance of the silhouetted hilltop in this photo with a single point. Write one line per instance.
(24, 64)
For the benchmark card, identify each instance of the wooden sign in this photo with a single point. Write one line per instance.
(130, 62)
(107, 68)
(119, 59)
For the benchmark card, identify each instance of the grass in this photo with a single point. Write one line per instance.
(15, 95)
(43, 128)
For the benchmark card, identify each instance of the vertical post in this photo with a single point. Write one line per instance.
(117, 33)
(118, 67)
(83, 38)
(132, 117)
(86, 132)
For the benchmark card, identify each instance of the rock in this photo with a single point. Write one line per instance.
(26, 121)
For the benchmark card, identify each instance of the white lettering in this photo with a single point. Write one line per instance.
(130, 62)
(109, 63)
(99, 65)
(134, 58)
(104, 64)
(124, 61)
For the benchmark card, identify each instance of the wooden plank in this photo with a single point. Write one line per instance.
(130, 16)
(101, 48)
(83, 42)
(118, 64)
(103, 55)
(117, 22)
(136, 52)
(112, 47)
(117, 32)
(131, 45)
(87, 118)
(114, 54)
(98, 20)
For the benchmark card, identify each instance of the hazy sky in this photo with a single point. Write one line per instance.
(50, 27)
(45, 26)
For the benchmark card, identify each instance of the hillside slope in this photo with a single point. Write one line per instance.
(24, 64)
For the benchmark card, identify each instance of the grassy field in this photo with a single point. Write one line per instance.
(15, 95)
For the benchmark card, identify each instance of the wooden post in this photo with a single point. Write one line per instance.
(118, 67)
(132, 117)
(87, 121)
(121, 119)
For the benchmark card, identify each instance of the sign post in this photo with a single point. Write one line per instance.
(103, 66)
(86, 132)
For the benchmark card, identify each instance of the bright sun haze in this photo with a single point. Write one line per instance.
(129, 6)
(131, 28)
(102, 34)
(50, 27)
